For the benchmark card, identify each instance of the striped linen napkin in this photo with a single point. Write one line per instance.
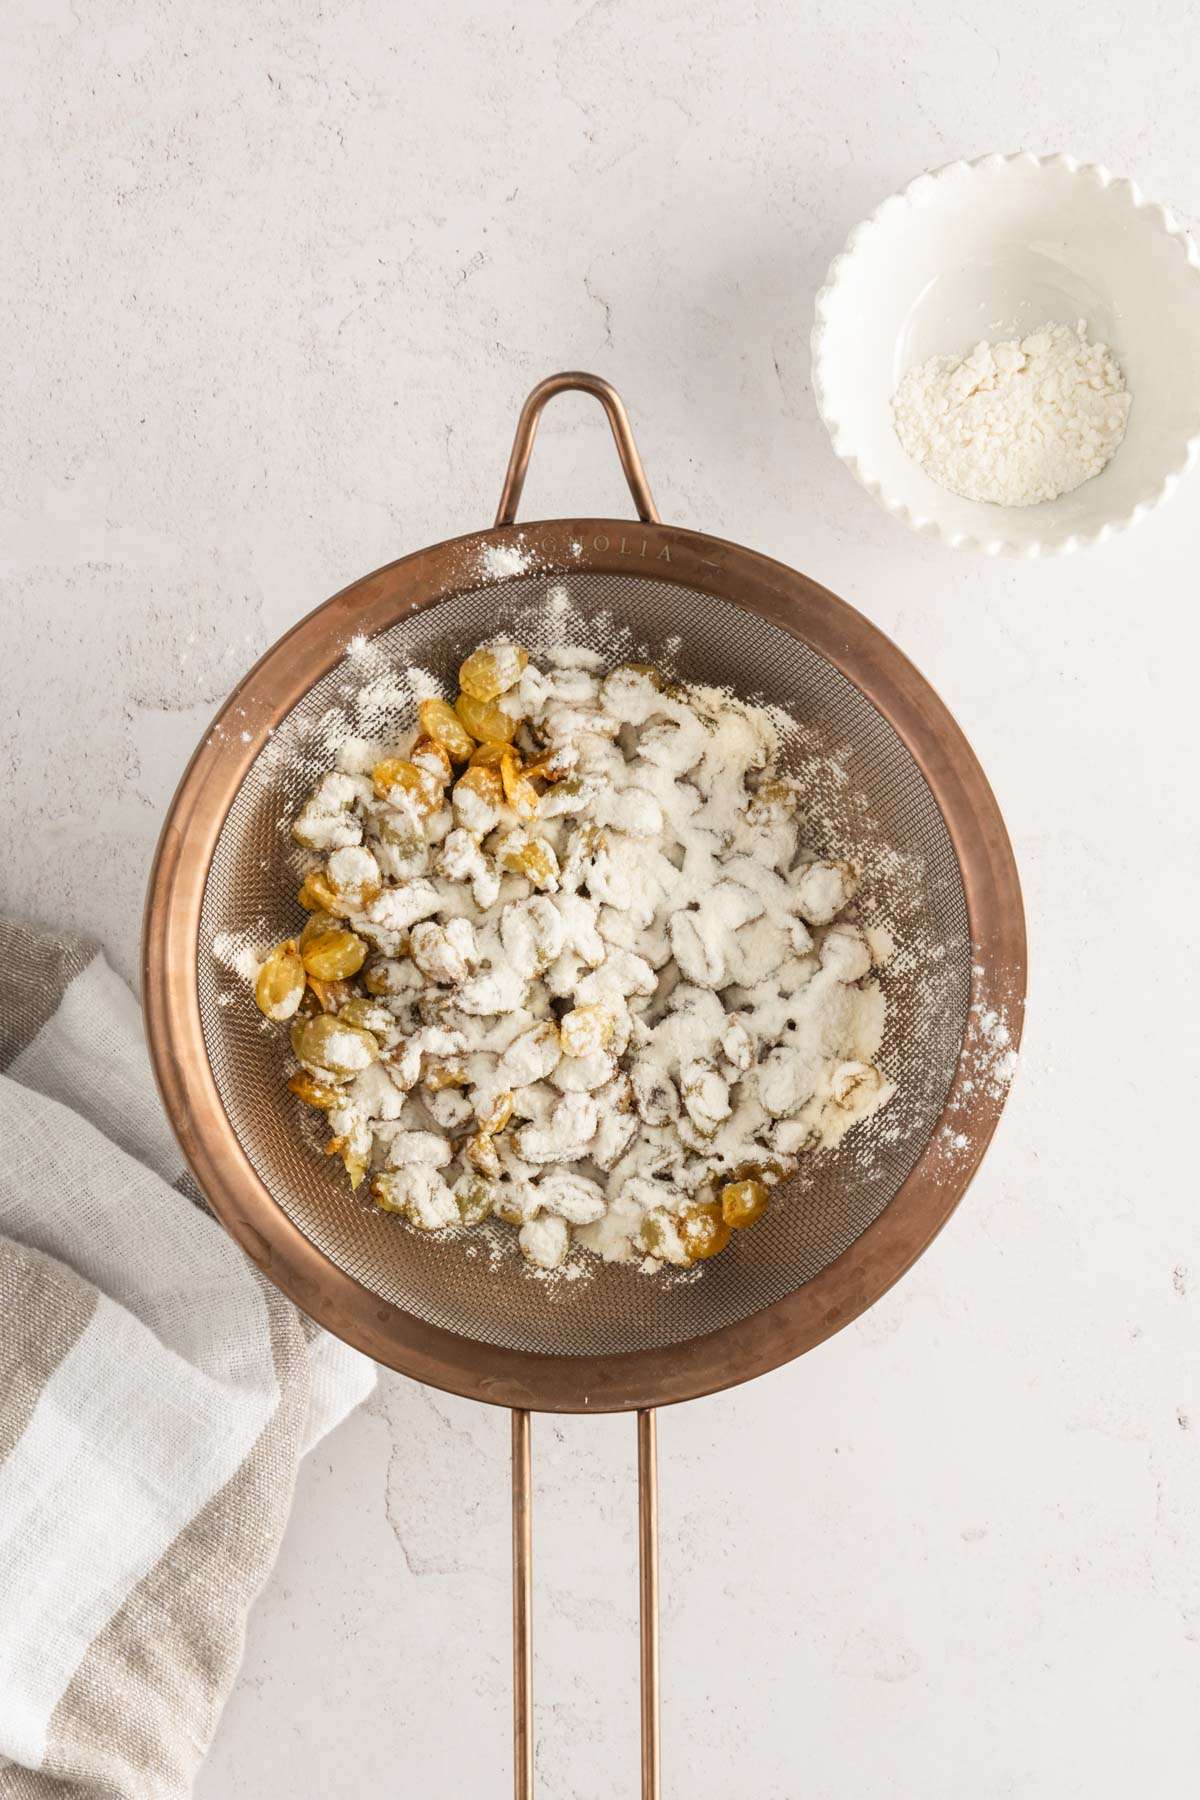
(156, 1394)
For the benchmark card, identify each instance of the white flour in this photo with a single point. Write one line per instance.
(1018, 422)
(501, 562)
(235, 952)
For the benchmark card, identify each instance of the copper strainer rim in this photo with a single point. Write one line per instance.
(512, 1377)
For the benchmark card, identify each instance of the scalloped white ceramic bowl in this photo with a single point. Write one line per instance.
(992, 249)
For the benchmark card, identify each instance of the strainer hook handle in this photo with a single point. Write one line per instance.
(518, 463)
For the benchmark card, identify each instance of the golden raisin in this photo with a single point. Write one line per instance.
(432, 759)
(279, 985)
(395, 829)
(441, 1075)
(552, 765)
(657, 1232)
(475, 1198)
(382, 977)
(328, 1044)
(369, 1014)
(497, 1115)
(509, 1205)
(519, 791)
(481, 1153)
(773, 793)
(490, 756)
(484, 782)
(321, 1094)
(765, 1166)
(397, 772)
(357, 893)
(354, 1160)
(742, 1202)
(316, 921)
(332, 953)
(318, 894)
(485, 720)
(703, 1231)
(584, 1029)
(617, 681)
(492, 671)
(356, 1166)
(440, 722)
(330, 996)
(383, 1194)
(535, 860)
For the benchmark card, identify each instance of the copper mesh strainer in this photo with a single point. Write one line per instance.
(890, 780)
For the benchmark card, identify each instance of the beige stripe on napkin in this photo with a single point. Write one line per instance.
(44, 1308)
(38, 969)
(150, 1689)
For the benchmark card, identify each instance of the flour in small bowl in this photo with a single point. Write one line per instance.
(1015, 423)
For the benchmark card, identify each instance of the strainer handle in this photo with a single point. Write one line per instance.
(618, 418)
(648, 1596)
(522, 1537)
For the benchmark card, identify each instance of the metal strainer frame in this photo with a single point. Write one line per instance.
(503, 1374)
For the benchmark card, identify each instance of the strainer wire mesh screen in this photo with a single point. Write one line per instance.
(864, 797)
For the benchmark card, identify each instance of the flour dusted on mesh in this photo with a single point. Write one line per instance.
(235, 952)
(989, 1059)
(1018, 422)
(987, 1068)
(355, 729)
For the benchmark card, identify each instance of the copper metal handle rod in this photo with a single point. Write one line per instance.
(618, 418)
(522, 1539)
(648, 1573)
(522, 1543)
